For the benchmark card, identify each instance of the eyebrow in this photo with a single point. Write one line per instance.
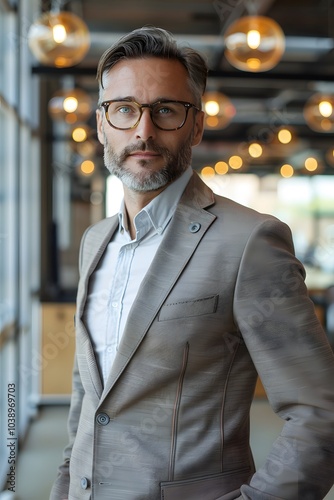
(132, 98)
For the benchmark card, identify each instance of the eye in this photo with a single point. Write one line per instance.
(122, 108)
(125, 109)
(164, 110)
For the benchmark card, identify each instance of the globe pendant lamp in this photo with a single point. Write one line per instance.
(254, 43)
(59, 39)
(319, 112)
(70, 106)
(219, 110)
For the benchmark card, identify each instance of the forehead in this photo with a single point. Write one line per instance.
(147, 79)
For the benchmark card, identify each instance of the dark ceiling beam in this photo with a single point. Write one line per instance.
(225, 75)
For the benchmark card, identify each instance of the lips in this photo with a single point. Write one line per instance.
(144, 154)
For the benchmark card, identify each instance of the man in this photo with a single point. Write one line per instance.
(182, 299)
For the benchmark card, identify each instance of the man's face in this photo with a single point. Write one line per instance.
(146, 158)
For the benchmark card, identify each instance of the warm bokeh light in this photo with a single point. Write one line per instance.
(254, 43)
(235, 162)
(311, 164)
(70, 104)
(221, 167)
(253, 39)
(325, 109)
(211, 108)
(255, 150)
(284, 136)
(87, 167)
(208, 172)
(59, 33)
(286, 171)
(79, 134)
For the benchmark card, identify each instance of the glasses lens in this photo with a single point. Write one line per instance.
(165, 115)
(123, 114)
(169, 115)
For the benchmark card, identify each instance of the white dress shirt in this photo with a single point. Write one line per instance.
(114, 284)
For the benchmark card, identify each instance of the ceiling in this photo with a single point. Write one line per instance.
(263, 101)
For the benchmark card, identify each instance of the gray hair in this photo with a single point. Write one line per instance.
(156, 42)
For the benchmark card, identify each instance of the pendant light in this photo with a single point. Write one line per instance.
(319, 112)
(70, 106)
(59, 38)
(219, 110)
(254, 43)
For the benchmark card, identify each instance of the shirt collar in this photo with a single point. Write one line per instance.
(161, 209)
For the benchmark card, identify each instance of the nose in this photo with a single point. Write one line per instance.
(145, 129)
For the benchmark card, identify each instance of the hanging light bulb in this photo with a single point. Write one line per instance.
(59, 39)
(254, 43)
(318, 112)
(70, 105)
(219, 110)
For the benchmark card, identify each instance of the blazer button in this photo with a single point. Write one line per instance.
(194, 227)
(102, 419)
(84, 483)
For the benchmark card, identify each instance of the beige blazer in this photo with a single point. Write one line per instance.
(223, 299)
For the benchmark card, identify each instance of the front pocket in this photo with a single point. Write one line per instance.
(188, 308)
(224, 486)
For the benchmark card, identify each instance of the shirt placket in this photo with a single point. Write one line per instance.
(118, 288)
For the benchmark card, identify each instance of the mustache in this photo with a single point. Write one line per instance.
(148, 145)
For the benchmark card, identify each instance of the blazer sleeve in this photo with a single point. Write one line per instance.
(295, 363)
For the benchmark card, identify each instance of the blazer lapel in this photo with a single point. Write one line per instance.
(187, 228)
(95, 243)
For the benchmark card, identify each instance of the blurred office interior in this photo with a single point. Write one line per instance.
(268, 144)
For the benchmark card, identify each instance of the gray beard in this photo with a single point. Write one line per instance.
(146, 180)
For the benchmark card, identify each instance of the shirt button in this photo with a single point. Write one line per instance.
(102, 419)
(114, 304)
(109, 349)
(159, 230)
(84, 483)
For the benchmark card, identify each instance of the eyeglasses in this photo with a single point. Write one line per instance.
(125, 114)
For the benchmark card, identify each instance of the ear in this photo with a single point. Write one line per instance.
(99, 122)
(198, 128)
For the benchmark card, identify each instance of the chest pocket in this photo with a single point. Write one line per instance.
(188, 308)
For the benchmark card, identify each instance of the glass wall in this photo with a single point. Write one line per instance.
(19, 228)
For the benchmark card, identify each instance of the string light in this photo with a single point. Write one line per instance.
(221, 167)
(235, 162)
(207, 172)
(255, 150)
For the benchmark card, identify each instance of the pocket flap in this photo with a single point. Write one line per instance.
(187, 308)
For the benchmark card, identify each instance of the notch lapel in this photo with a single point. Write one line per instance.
(95, 242)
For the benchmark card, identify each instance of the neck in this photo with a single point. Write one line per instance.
(134, 202)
